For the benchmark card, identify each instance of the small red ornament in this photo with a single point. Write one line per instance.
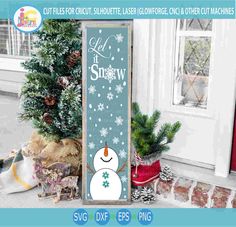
(73, 58)
(47, 118)
(50, 100)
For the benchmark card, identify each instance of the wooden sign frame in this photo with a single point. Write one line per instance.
(97, 177)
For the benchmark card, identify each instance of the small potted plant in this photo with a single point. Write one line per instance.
(149, 145)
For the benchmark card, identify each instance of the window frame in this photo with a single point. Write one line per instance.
(171, 34)
(13, 60)
(189, 33)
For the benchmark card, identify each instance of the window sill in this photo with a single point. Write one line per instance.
(10, 87)
(11, 64)
(189, 111)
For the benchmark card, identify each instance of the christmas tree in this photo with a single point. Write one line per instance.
(146, 141)
(51, 95)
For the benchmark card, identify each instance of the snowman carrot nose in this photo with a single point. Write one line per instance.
(106, 150)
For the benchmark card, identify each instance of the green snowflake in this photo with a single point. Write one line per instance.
(105, 175)
(105, 184)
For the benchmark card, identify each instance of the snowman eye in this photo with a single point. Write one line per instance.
(106, 160)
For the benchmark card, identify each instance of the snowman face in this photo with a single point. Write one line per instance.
(105, 160)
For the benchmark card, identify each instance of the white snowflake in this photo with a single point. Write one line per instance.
(119, 38)
(115, 140)
(119, 88)
(110, 96)
(92, 89)
(124, 179)
(100, 107)
(110, 74)
(122, 153)
(91, 145)
(104, 132)
(119, 121)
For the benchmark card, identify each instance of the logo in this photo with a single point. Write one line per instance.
(27, 19)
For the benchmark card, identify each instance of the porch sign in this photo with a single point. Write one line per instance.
(106, 115)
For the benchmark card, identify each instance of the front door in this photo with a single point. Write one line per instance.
(195, 84)
(200, 92)
(233, 160)
(186, 69)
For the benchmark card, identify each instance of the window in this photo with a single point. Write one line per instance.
(192, 62)
(14, 43)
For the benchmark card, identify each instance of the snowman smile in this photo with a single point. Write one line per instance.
(106, 160)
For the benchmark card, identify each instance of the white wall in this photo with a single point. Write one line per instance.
(11, 81)
(11, 74)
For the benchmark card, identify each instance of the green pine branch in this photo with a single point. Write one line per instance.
(145, 140)
(54, 43)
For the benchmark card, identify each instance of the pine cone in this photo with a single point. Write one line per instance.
(135, 195)
(64, 81)
(146, 191)
(47, 118)
(149, 199)
(50, 100)
(73, 58)
(147, 195)
(166, 174)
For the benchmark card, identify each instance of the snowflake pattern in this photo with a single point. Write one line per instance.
(119, 38)
(122, 153)
(110, 74)
(119, 88)
(104, 132)
(115, 140)
(92, 89)
(105, 184)
(119, 121)
(105, 175)
(110, 96)
(91, 145)
(124, 179)
(100, 107)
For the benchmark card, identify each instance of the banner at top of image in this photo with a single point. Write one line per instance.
(123, 9)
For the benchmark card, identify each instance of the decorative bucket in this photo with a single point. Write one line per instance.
(147, 171)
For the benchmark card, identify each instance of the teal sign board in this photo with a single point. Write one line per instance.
(106, 120)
